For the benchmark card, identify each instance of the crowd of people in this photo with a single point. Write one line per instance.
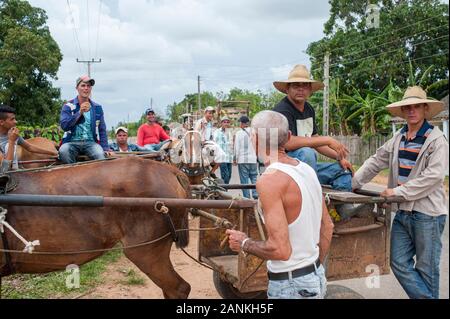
(286, 141)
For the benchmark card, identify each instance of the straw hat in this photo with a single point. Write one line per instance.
(299, 74)
(416, 95)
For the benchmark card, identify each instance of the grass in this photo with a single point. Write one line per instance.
(133, 279)
(53, 285)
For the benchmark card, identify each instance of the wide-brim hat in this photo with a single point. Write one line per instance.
(416, 95)
(299, 74)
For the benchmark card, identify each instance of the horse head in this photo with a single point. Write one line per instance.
(190, 156)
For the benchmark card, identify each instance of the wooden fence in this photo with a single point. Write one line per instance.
(360, 149)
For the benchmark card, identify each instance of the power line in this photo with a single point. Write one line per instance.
(383, 34)
(88, 27)
(98, 27)
(396, 40)
(365, 58)
(77, 40)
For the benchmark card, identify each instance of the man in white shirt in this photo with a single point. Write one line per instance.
(245, 157)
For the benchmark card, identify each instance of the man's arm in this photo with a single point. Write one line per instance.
(140, 136)
(103, 134)
(373, 165)
(36, 149)
(163, 136)
(277, 246)
(323, 144)
(429, 179)
(67, 120)
(326, 233)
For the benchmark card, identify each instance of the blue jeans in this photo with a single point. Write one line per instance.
(328, 173)
(225, 172)
(312, 286)
(419, 235)
(68, 152)
(248, 172)
(153, 147)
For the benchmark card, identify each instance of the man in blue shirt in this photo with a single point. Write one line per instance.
(121, 144)
(84, 125)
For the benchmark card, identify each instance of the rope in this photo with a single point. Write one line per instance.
(197, 261)
(87, 251)
(108, 249)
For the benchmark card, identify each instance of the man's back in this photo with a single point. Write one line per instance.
(302, 201)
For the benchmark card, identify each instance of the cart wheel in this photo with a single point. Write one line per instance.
(341, 292)
(227, 291)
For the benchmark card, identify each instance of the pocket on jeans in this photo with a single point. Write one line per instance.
(422, 217)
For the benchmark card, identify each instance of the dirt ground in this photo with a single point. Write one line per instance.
(116, 283)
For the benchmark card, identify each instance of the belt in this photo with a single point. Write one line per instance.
(295, 273)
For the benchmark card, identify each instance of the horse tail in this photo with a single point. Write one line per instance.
(183, 235)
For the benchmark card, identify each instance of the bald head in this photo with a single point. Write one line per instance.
(271, 127)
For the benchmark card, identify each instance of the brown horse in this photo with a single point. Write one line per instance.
(24, 155)
(79, 229)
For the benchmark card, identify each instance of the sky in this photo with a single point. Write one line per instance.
(155, 49)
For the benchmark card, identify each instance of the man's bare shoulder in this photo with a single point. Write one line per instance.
(273, 181)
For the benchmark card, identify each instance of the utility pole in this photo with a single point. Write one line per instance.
(326, 95)
(199, 97)
(151, 103)
(89, 62)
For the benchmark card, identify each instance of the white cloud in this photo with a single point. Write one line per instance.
(156, 49)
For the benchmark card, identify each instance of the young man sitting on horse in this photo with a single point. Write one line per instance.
(10, 137)
(151, 136)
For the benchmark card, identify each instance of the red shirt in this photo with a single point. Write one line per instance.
(151, 134)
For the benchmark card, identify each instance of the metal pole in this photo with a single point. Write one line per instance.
(326, 94)
(199, 97)
(100, 201)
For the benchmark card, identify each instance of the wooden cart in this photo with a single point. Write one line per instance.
(358, 245)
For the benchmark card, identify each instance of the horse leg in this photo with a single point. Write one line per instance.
(154, 261)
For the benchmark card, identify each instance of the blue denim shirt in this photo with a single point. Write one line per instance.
(131, 148)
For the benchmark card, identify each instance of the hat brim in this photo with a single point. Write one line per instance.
(282, 85)
(434, 107)
(91, 82)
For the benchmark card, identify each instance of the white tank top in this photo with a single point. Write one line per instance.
(304, 232)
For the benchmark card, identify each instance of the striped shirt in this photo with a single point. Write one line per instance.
(409, 150)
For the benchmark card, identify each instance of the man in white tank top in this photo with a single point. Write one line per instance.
(298, 226)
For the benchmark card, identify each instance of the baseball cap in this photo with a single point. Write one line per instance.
(85, 79)
(244, 119)
(149, 110)
(121, 128)
(225, 118)
(210, 108)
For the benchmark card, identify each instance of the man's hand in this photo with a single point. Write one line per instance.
(85, 107)
(388, 192)
(13, 134)
(339, 148)
(347, 165)
(235, 239)
(109, 153)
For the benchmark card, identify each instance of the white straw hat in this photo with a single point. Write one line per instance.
(416, 95)
(299, 74)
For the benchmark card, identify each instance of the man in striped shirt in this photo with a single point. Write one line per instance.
(417, 157)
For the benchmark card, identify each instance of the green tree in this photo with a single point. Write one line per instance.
(29, 60)
(366, 58)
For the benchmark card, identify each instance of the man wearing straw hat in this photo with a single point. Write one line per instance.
(302, 123)
(417, 157)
